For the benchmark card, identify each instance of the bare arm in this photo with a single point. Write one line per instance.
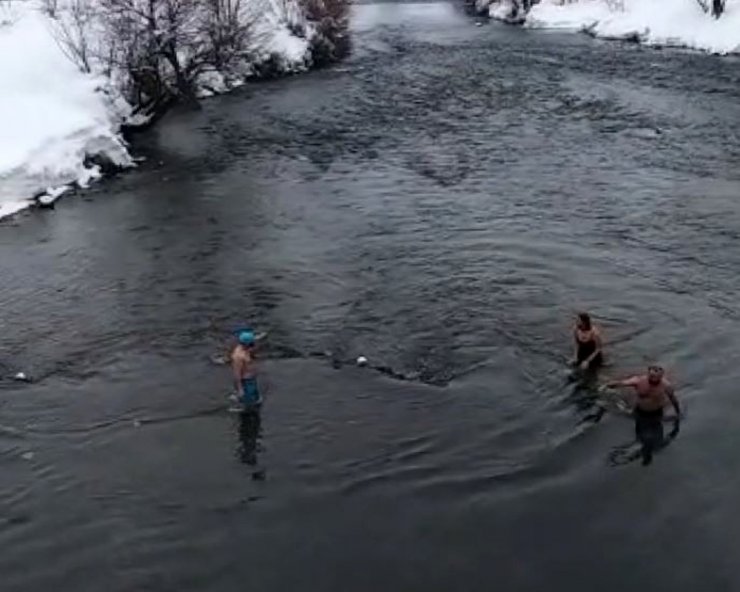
(597, 349)
(633, 381)
(237, 368)
(671, 394)
(575, 344)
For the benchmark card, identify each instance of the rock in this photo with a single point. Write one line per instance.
(103, 162)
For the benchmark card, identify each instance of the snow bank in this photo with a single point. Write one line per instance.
(51, 115)
(680, 23)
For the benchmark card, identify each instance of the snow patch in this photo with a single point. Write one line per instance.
(502, 10)
(575, 16)
(10, 207)
(677, 23)
(293, 50)
(52, 194)
(282, 34)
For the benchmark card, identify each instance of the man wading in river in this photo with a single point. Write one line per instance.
(654, 393)
(244, 368)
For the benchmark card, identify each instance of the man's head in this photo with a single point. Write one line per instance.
(655, 374)
(245, 338)
(584, 321)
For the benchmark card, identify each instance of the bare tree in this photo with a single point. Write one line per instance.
(164, 46)
(228, 26)
(72, 29)
(158, 51)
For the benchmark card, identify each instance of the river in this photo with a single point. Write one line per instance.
(442, 202)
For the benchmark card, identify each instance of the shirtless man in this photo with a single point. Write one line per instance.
(244, 368)
(654, 393)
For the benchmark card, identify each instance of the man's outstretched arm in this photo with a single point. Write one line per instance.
(627, 382)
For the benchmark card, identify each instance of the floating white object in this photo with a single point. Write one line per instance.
(362, 361)
(21, 376)
(137, 423)
(27, 456)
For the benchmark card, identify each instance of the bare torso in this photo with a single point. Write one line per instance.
(243, 362)
(585, 336)
(651, 397)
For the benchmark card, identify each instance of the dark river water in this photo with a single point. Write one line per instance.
(442, 202)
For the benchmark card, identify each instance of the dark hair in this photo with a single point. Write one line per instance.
(585, 319)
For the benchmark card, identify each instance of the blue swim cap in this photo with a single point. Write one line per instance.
(246, 337)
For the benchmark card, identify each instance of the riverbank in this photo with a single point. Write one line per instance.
(441, 204)
(62, 114)
(661, 23)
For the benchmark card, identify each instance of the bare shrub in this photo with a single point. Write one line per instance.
(228, 26)
(331, 19)
(160, 51)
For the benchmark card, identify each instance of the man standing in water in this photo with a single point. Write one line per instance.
(654, 393)
(244, 368)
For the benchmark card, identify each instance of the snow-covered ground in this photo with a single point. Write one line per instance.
(678, 23)
(53, 116)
